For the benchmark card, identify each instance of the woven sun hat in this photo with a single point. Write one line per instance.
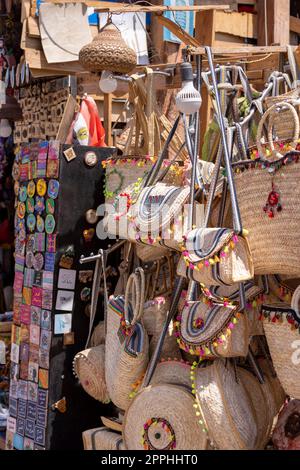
(89, 367)
(162, 417)
(173, 371)
(225, 407)
(98, 335)
(102, 439)
(261, 410)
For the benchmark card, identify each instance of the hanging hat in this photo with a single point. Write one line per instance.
(108, 51)
(89, 367)
(162, 417)
(102, 439)
(226, 408)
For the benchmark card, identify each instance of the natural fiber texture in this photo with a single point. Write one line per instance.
(282, 341)
(226, 408)
(170, 348)
(286, 434)
(89, 367)
(112, 423)
(172, 372)
(272, 389)
(98, 335)
(170, 403)
(148, 253)
(102, 439)
(108, 51)
(263, 415)
(274, 242)
(155, 314)
(126, 359)
(215, 256)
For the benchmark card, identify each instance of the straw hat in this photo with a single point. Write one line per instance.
(262, 412)
(226, 407)
(102, 439)
(162, 417)
(88, 366)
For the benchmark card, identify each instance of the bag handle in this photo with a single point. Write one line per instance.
(135, 289)
(271, 112)
(295, 302)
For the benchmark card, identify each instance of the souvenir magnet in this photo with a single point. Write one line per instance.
(31, 188)
(69, 154)
(49, 224)
(45, 340)
(29, 259)
(30, 222)
(30, 204)
(39, 204)
(85, 294)
(50, 206)
(88, 235)
(53, 188)
(40, 224)
(16, 188)
(67, 259)
(21, 209)
(22, 193)
(38, 261)
(91, 216)
(85, 276)
(41, 187)
(52, 168)
(90, 159)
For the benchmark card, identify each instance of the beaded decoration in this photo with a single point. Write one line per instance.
(275, 316)
(162, 426)
(108, 193)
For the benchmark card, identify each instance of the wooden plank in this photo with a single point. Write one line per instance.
(123, 7)
(236, 24)
(33, 29)
(224, 51)
(276, 19)
(67, 119)
(37, 60)
(107, 121)
(297, 56)
(295, 24)
(180, 33)
(205, 27)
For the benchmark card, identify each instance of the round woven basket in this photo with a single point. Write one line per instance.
(272, 388)
(88, 365)
(172, 372)
(98, 336)
(148, 253)
(122, 367)
(264, 417)
(226, 408)
(108, 51)
(102, 439)
(162, 417)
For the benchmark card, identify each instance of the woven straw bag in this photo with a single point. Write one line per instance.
(98, 335)
(162, 417)
(88, 366)
(102, 439)
(226, 408)
(215, 329)
(271, 184)
(127, 343)
(281, 325)
(272, 388)
(173, 371)
(215, 256)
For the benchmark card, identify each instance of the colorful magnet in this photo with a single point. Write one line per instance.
(16, 188)
(29, 259)
(85, 294)
(41, 187)
(21, 209)
(38, 261)
(90, 159)
(31, 188)
(88, 235)
(30, 205)
(52, 168)
(67, 259)
(51, 243)
(30, 243)
(91, 216)
(86, 276)
(31, 221)
(49, 224)
(53, 188)
(22, 193)
(39, 204)
(50, 205)
(40, 224)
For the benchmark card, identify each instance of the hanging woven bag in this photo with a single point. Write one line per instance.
(102, 439)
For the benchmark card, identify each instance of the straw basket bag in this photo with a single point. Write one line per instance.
(215, 256)
(127, 343)
(281, 325)
(162, 417)
(98, 335)
(226, 408)
(272, 388)
(88, 366)
(215, 329)
(102, 439)
(175, 372)
(269, 200)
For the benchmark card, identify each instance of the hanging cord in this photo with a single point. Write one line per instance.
(266, 23)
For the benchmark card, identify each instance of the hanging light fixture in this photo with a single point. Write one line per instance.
(107, 82)
(188, 99)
